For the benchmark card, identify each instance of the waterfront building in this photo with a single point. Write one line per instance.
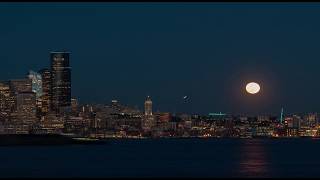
(187, 124)
(292, 125)
(26, 109)
(311, 120)
(173, 124)
(293, 122)
(77, 125)
(5, 101)
(5, 89)
(263, 131)
(164, 117)
(18, 86)
(51, 124)
(296, 123)
(60, 81)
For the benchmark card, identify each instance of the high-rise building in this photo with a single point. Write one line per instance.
(292, 125)
(148, 106)
(4, 88)
(74, 105)
(148, 121)
(164, 117)
(311, 120)
(296, 123)
(46, 90)
(60, 81)
(26, 108)
(281, 116)
(36, 80)
(20, 85)
(114, 102)
(5, 105)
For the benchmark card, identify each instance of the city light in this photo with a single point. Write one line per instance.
(41, 103)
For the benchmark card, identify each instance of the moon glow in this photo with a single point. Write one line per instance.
(253, 88)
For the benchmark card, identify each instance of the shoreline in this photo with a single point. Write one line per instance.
(123, 138)
(56, 139)
(45, 139)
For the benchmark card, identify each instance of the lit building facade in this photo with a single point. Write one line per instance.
(148, 120)
(36, 80)
(292, 125)
(60, 81)
(148, 107)
(74, 105)
(20, 85)
(46, 90)
(311, 120)
(164, 117)
(5, 105)
(26, 109)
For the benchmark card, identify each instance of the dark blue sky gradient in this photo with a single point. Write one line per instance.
(207, 51)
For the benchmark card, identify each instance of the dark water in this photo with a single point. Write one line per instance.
(167, 158)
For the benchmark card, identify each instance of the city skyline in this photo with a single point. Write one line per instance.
(41, 103)
(58, 76)
(207, 52)
(159, 90)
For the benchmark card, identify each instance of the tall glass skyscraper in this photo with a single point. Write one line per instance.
(60, 81)
(36, 83)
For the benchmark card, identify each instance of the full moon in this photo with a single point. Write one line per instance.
(253, 88)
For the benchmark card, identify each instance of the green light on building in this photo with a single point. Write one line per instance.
(216, 114)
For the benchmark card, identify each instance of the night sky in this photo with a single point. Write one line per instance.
(206, 51)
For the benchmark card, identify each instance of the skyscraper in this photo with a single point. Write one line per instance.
(26, 110)
(311, 119)
(148, 106)
(20, 85)
(36, 81)
(5, 105)
(46, 89)
(148, 120)
(74, 105)
(60, 81)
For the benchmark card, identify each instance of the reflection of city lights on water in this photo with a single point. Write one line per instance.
(253, 160)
